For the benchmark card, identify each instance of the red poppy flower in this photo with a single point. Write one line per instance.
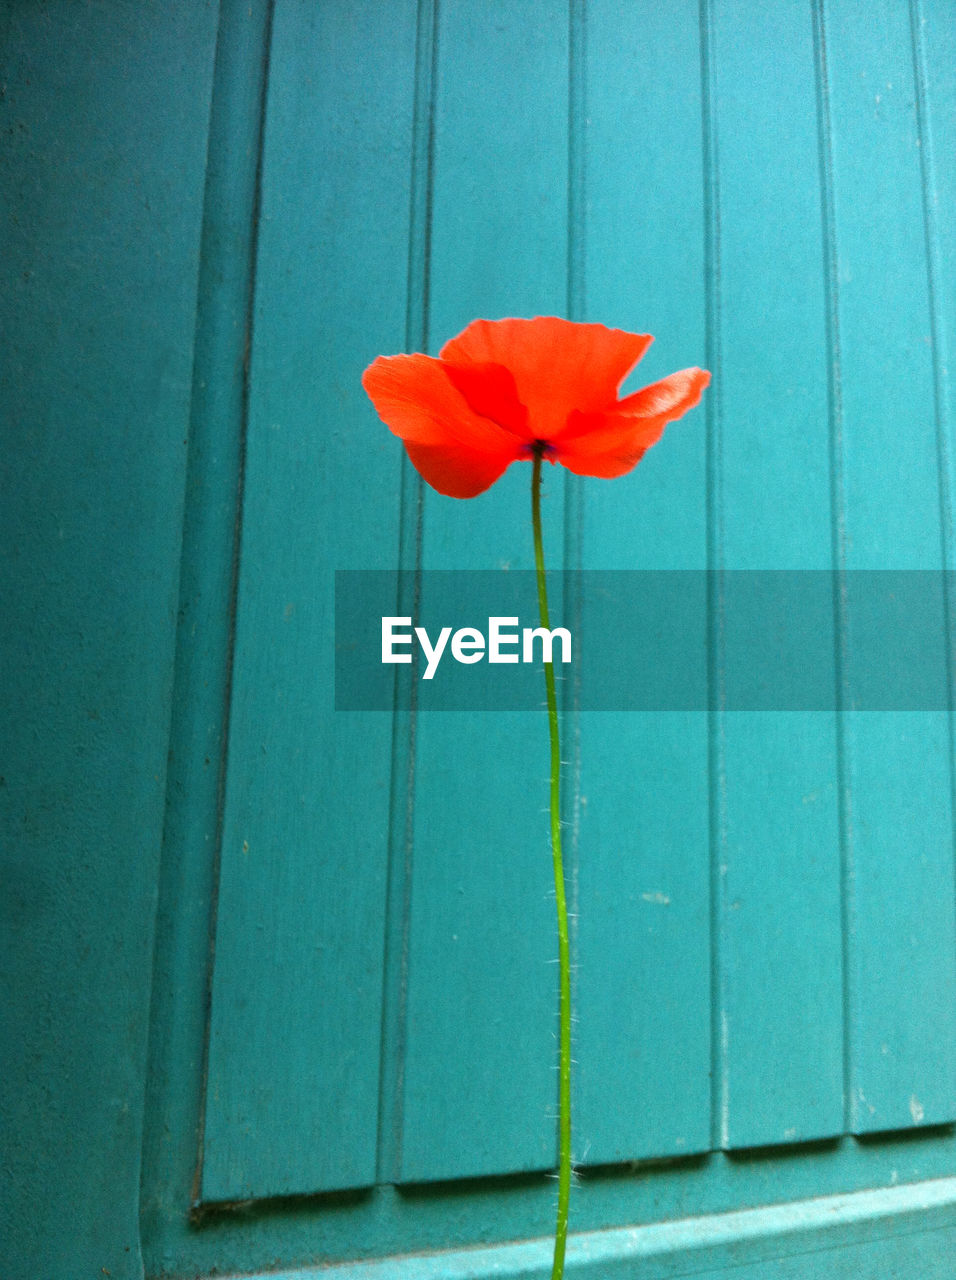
(504, 390)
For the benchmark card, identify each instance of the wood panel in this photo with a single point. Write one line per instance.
(479, 1073)
(293, 1071)
(764, 899)
(897, 764)
(642, 984)
(777, 856)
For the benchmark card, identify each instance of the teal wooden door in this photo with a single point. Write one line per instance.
(352, 1053)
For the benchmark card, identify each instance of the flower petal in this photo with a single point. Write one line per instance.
(457, 471)
(491, 392)
(558, 365)
(458, 452)
(670, 398)
(612, 443)
(416, 400)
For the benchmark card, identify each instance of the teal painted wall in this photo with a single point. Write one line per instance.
(218, 217)
(104, 117)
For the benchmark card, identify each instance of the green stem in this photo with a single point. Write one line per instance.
(564, 950)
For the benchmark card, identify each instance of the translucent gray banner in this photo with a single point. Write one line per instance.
(447, 640)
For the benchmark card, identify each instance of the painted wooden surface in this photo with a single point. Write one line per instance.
(103, 114)
(898, 767)
(861, 1235)
(778, 1009)
(351, 1053)
(478, 1103)
(724, 862)
(297, 982)
(642, 873)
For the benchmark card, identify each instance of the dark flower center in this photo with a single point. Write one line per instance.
(539, 449)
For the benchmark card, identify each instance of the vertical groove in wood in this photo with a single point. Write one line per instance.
(717, 781)
(929, 195)
(240, 134)
(411, 528)
(838, 519)
(423, 136)
(573, 486)
(577, 167)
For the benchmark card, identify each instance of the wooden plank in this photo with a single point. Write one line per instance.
(899, 804)
(179, 1009)
(910, 1229)
(642, 984)
(293, 1076)
(778, 871)
(479, 1078)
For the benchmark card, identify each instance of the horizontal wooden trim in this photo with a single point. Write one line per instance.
(863, 1235)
